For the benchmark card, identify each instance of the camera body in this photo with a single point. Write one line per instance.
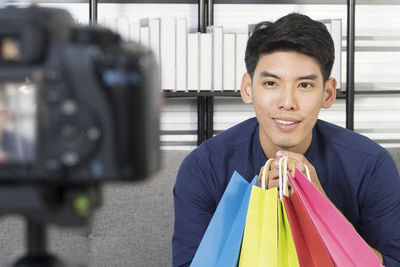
(83, 105)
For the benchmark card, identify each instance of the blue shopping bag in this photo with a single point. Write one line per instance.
(221, 242)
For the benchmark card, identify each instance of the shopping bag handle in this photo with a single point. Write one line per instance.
(265, 173)
(283, 178)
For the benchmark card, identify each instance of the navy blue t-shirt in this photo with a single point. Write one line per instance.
(359, 177)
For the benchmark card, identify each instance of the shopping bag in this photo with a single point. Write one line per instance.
(220, 245)
(260, 239)
(267, 239)
(311, 250)
(344, 244)
(287, 255)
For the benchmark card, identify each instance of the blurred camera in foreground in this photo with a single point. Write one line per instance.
(77, 104)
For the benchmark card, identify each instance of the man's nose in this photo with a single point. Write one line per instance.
(287, 99)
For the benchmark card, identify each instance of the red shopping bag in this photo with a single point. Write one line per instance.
(344, 244)
(311, 250)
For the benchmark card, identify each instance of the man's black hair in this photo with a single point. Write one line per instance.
(294, 32)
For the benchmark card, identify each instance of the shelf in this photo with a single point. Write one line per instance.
(376, 92)
(196, 94)
(339, 94)
(298, 2)
(309, 2)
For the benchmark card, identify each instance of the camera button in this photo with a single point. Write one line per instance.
(70, 158)
(97, 170)
(69, 107)
(93, 133)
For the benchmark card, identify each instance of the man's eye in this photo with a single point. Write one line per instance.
(305, 85)
(269, 83)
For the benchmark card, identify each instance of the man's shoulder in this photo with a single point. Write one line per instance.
(346, 140)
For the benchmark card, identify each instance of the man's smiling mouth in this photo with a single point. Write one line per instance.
(286, 124)
(286, 121)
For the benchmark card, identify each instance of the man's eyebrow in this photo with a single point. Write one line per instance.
(268, 74)
(308, 77)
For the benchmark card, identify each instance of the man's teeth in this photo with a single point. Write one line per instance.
(285, 122)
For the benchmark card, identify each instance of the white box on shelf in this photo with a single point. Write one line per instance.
(168, 53)
(144, 36)
(193, 61)
(334, 27)
(218, 56)
(134, 30)
(110, 23)
(181, 55)
(154, 28)
(241, 42)
(229, 62)
(206, 61)
(123, 28)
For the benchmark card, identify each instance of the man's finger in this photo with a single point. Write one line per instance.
(297, 164)
(273, 174)
(273, 183)
(291, 155)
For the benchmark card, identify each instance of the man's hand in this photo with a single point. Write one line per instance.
(299, 160)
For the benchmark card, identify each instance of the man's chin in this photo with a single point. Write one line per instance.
(288, 145)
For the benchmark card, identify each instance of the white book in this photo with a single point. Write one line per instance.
(168, 53)
(134, 32)
(181, 55)
(154, 28)
(218, 57)
(241, 42)
(229, 62)
(110, 23)
(144, 36)
(334, 27)
(336, 31)
(123, 28)
(206, 61)
(193, 61)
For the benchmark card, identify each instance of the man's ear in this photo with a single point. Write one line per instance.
(329, 93)
(245, 89)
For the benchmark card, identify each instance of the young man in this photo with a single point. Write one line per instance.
(288, 80)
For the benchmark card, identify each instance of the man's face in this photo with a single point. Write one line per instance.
(287, 91)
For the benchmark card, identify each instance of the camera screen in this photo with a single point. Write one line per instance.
(17, 122)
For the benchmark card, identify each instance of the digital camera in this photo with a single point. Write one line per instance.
(77, 103)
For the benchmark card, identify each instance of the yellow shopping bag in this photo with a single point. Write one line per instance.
(260, 239)
(267, 239)
(287, 256)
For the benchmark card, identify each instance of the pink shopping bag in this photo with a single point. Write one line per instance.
(344, 244)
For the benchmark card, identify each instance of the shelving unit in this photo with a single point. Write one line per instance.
(205, 100)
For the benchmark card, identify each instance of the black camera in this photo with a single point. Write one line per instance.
(77, 104)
